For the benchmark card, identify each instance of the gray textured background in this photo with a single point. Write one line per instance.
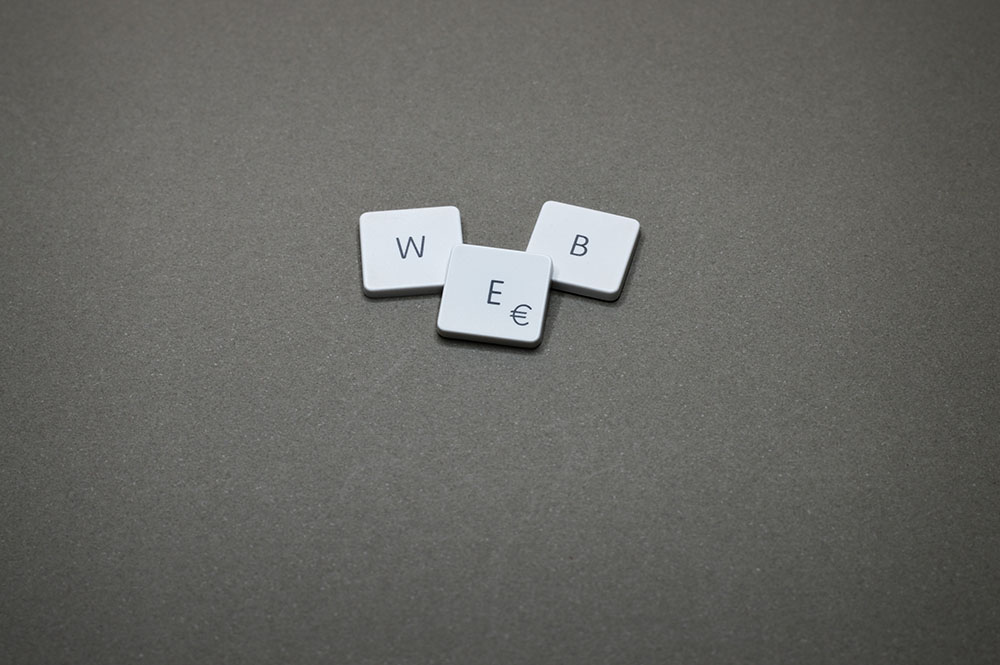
(780, 445)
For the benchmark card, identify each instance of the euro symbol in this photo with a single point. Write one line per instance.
(516, 315)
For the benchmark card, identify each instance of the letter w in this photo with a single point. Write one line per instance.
(404, 251)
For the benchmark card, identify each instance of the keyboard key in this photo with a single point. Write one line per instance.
(405, 252)
(495, 295)
(590, 250)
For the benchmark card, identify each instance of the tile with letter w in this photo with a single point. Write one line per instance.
(405, 252)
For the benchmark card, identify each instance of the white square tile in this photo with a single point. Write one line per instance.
(405, 252)
(590, 250)
(495, 295)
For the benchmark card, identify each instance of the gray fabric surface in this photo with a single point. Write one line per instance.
(780, 445)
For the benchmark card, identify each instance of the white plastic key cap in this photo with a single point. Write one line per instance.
(495, 295)
(405, 252)
(590, 250)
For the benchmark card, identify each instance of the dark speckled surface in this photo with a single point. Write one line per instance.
(780, 445)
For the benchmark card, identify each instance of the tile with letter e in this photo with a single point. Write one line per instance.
(495, 295)
(590, 250)
(405, 252)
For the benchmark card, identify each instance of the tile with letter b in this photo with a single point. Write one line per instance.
(495, 295)
(590, 250)
(405, 252)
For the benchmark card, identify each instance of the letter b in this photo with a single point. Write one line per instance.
(578, 244)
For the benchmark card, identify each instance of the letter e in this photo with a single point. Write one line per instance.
(489, 298)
